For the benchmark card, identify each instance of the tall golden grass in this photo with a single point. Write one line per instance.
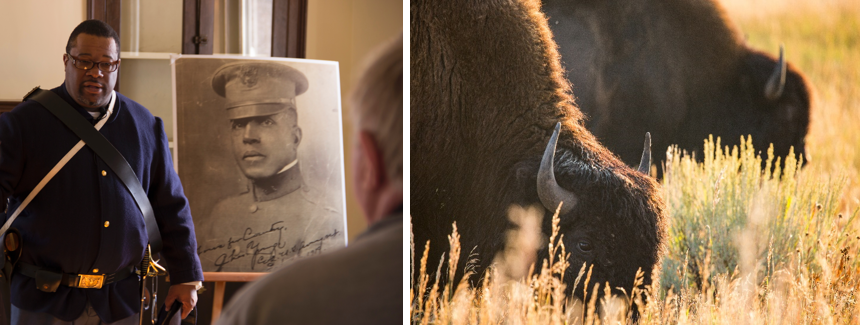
(747, 245)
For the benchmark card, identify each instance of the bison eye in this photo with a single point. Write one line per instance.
(585, 246)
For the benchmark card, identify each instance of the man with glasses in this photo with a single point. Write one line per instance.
(84, 222)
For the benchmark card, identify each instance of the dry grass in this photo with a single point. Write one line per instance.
(747, 245)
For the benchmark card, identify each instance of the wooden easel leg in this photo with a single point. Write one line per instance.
(218, 300)
(221, 279)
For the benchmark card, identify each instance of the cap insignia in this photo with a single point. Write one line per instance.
(248, 76)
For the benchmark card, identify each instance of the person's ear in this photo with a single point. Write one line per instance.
(65, 59)
(372, 171)
(297, 132)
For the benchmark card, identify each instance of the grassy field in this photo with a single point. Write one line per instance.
(751, 247)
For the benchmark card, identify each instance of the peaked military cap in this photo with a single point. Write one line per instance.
(258, 88)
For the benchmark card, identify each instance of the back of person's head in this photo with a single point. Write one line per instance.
(92, 27)
(377, 104)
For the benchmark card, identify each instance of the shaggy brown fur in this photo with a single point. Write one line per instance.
(676, 68)
(486, 92)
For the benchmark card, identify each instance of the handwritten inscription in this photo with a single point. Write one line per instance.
(264, 249)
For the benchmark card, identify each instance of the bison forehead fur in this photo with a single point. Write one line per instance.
(679, 69)
(487, 89)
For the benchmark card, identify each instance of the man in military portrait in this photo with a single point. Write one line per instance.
(278, 217)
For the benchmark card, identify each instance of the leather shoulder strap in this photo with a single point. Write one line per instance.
(102, 147)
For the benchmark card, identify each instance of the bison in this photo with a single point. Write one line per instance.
(493, 125)
(679, 69)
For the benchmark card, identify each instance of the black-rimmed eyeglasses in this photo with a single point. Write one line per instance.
(86, 65)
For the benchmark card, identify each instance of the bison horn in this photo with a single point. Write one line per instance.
(776, 83)
(645, 163)
(550, 193)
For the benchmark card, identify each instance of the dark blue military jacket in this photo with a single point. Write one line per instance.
(85, 219)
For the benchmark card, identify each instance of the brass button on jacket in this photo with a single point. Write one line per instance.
(104, 173)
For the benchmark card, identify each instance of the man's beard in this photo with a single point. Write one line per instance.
(103, 99)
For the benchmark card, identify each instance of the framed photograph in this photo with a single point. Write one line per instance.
(259, 151)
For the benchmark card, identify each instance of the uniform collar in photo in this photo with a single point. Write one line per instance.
(287, 181)
(288, 166)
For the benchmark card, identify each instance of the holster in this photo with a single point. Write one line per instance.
(11, 252)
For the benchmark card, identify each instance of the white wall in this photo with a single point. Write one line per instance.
(32, 43)
(160, 22)
(346, 31)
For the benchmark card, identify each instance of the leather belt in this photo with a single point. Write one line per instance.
(87, 281)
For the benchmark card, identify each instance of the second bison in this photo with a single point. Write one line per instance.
(679, 69)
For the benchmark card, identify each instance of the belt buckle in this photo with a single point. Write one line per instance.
(91, 281)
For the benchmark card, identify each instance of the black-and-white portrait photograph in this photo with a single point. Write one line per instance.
(260, 154)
